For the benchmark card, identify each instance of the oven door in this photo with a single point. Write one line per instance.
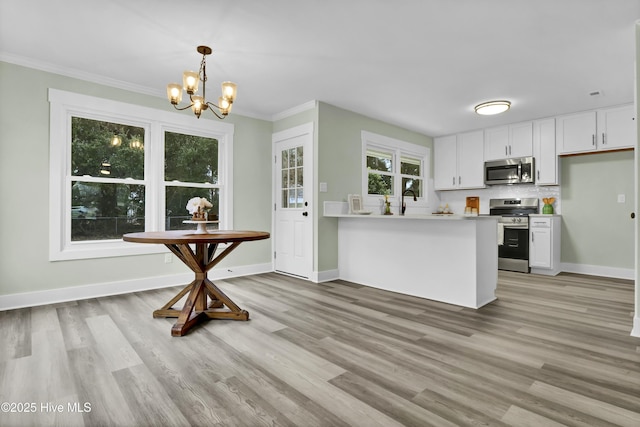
(514, 253)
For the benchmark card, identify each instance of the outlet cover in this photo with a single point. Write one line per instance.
(168, 258)
(621, 198)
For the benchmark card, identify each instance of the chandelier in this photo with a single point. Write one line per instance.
(190, 80)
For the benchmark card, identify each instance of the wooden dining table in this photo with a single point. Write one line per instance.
(205, 300)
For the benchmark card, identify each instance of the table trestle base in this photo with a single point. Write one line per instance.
(205, 300)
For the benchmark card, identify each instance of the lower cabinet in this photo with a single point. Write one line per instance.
(544, 244)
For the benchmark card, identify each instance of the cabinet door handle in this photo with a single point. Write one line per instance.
(509, 150)
(538, 174)
(505, 151)
(533, 239)
(593, 140)
(459, 180)
(603, 140)
(454, 180)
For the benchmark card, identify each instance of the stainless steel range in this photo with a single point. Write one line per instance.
(513, 231)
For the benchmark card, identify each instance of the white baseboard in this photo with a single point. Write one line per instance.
(599, 270)
(635, 331)
(74, 293)
(325, 276)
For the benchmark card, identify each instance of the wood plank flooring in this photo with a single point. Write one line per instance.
(549, 352)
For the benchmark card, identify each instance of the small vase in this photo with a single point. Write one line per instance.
(387, 208)
(547, 209)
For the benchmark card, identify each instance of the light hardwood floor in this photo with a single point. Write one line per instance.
(548, 352)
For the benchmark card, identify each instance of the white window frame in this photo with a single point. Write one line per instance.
(65, 105)
(398, 148)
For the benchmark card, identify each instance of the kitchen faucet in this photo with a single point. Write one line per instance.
(403, 205)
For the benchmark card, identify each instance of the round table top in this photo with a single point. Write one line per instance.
(189, 236)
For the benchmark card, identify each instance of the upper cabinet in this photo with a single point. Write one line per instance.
(544, 152)
(604, 129)
(458, 161)
(445, 161)
(505, 142)
(616, 128)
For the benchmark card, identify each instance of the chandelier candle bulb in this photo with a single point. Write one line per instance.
(225, 105)
(229, 90)
(197, 105)
(190, 81)
(174, 93)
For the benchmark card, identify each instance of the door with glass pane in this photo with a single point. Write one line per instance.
(293, 220)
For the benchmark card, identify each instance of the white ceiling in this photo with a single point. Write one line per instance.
(420, 64)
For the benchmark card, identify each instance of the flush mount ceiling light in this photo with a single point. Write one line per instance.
(190, 80)
(492, 107)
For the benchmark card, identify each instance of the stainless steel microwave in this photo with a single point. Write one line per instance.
(510, 171)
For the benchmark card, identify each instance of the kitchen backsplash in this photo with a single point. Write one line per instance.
(457, 199)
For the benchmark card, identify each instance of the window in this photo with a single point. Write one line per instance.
(292, 177)
(117, 168)
(107, 179)
(190, 170)
(391, 167)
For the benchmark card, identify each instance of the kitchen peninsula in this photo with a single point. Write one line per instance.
(446, 258)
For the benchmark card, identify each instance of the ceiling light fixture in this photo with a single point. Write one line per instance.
(190, 80)
(492, 107)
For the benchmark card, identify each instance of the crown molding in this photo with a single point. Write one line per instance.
(76, 74)
(295, 110)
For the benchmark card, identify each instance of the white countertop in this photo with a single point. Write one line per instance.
(440, 217)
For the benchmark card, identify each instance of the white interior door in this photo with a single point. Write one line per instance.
(293, 201)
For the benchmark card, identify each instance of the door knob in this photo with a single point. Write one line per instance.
(633, 215)
(305, 213)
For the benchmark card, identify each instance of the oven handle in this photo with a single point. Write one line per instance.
(516, 226)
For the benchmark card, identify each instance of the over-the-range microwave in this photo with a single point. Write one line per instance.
(510, 171)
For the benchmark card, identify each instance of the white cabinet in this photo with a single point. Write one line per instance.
(576, 133)
(544, 244)
(544, 152)
(520, 140)
(508, 141)
(601, 130)
(616, 128)
(445, 163)
(459, 161)
(471, 160)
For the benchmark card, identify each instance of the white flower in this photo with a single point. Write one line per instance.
(198, 202)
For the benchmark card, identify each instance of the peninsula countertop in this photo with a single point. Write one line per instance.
(438, 216)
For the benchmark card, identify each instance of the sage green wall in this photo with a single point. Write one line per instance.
(339, 163)
(24, 178)
(301, 118)
(596, 229)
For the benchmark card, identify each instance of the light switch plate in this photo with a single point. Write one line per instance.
(621, 198)
(323, 187)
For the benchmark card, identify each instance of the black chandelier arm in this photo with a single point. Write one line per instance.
(183, 108)
(211, 108)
